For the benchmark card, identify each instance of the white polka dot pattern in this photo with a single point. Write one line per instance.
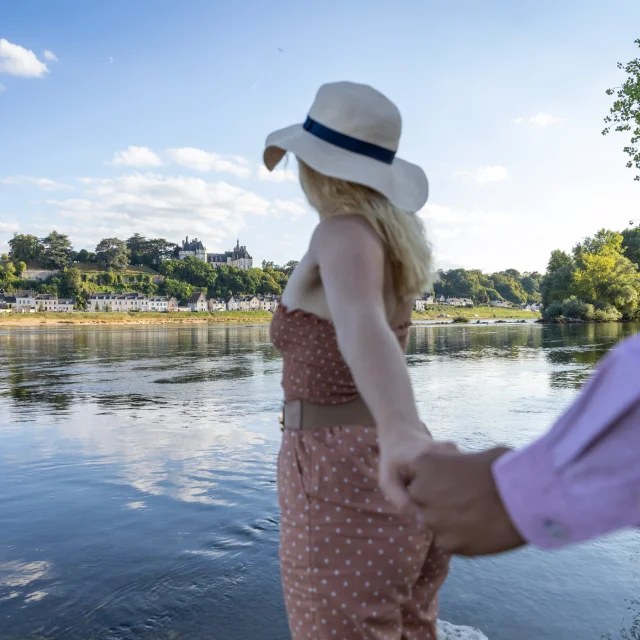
(352, 568)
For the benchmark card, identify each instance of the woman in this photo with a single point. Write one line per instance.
(354, 563)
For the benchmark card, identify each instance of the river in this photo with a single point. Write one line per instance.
(137, 481)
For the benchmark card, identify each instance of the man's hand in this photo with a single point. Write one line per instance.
(456, 497)
(400, 451)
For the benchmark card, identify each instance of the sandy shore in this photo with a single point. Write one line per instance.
(90, 319)
(229, 317)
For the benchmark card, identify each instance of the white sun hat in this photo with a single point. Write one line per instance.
(352, 133)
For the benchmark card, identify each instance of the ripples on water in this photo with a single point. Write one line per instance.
(137, 481)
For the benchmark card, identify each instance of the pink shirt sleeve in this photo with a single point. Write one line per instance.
(582, 479)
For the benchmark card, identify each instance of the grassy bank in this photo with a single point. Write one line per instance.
(226, 317)
(221, 317)
(482, 313)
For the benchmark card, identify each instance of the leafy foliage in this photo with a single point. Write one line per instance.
(56, 250)
(112, 253)
(508, 285)
(24, 247)
(624, 115)
(597, 282)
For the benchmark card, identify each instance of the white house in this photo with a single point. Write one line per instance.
(418, 304)
(233, 304)
(428, 300)
(217, 304)
(268, 303)
(441, 300)
(46, 302)
(126, 302)
(66, 305)
(500, 303)
(157, 303)
(459, 302)
(198, 302)
(25, 301)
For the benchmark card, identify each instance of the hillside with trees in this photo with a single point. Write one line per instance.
(137, 264)
(598, 280)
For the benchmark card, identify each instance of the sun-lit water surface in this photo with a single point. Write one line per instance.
(137, 481)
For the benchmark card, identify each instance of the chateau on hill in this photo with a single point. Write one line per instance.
(238, 257)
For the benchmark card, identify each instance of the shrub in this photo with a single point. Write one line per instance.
(577, 309)
(554, 310)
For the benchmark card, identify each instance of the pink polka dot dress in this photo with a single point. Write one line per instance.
(352, 567)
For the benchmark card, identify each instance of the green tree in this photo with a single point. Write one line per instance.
(149, 252)
(609, 277)
(177, 289)
(631, 244)
(624, 115)
(20, 268)
(556, 285)
(70, 283)
(85, 256)
(24, 247)
(4, 256)
(112, 253)
(56, 250)
(509, 287)
(558, 260)
(598, 242)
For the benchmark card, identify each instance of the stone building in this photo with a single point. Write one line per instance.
(194, 248)
(238, 257)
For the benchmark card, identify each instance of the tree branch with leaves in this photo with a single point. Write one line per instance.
(624, 115)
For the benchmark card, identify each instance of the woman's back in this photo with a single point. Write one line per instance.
(314, 368)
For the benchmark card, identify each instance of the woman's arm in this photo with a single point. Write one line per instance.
(352, 266)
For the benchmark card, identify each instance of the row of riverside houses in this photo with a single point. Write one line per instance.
(30, 302)
(419, 304)
(126, 302)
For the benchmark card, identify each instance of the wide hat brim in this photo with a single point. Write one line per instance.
(404, 184)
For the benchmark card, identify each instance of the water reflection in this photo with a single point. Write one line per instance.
(141, 462)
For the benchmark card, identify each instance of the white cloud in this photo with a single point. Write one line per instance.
(538, 120)
(207, 162)
(18, 61)
(49, 55)
(8, 227)
(165, 206)
(279, 175)
(136, 157)
(293, 208)
(40, 183)
(461, 218)
(483, 175)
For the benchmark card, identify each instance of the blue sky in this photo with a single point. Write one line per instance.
(149, 116)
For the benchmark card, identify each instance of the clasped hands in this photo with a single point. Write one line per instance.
(451, 493)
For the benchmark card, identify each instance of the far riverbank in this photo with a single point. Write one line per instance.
(233, 317)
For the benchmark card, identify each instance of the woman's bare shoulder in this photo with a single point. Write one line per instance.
(338, 231)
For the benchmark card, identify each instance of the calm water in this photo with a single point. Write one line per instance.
(137, 481)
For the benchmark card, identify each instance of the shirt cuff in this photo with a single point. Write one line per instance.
(533, 495)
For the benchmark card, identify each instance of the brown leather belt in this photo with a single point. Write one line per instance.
(302, 414)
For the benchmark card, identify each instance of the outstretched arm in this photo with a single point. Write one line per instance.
(352, 265)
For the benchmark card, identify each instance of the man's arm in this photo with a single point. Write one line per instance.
(582, 479)
(579, 481)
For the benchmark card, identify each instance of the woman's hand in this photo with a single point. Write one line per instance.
(400, 450)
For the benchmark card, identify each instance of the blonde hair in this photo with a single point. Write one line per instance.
(402, 233)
